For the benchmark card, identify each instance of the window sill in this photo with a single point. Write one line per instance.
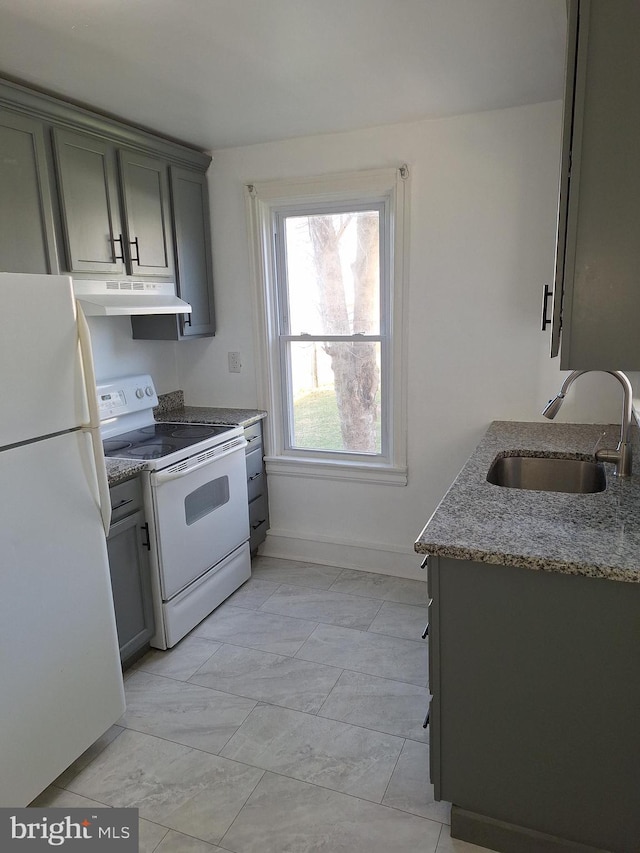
(323, 469)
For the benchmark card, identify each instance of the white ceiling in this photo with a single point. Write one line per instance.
(219, 73)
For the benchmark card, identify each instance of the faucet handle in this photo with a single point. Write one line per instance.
(598, 443)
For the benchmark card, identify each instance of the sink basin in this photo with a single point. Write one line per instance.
(547, 474)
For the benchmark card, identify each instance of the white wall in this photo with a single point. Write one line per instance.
(115, 353)
(482, 233)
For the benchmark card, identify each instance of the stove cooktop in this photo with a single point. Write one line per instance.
(159, 439)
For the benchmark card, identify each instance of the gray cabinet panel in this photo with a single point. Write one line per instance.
(87, 183)
(255, 473)
(258, 522)
(534, 715)
(27, 242)
(193, 249)
(127, 546)
(256, 486)
(194, 268)
(597, 273)
(147, 214)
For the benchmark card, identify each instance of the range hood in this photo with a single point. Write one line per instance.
(126, 297)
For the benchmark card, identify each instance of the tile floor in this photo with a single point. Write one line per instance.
(288, 721)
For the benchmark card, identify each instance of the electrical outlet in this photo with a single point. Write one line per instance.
(234, 362)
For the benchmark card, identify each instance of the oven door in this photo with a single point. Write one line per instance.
(200, 515)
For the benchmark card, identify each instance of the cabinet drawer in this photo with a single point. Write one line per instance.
(258, 521)
(253, 434)
(125, 498)
(255, 474)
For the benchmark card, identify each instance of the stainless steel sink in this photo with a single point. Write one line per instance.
(548, 474)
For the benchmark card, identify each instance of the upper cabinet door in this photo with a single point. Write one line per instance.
(145, 189)
(27, 242)
(193, 250)
(597, 274)
(565, 171)
(87, 182)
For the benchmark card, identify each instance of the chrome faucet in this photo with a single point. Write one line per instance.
(622, 454)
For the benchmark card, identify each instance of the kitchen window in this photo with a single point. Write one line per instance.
(329, 263)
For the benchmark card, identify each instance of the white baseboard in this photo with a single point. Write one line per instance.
(347, 554)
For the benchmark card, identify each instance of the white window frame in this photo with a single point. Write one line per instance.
(268, 200)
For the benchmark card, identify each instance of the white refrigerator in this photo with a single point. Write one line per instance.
(60, 677)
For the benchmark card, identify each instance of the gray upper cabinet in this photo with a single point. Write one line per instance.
(27, 235)
(93, 196)
(88, 189)
(193, 249)
(596, 292)
(145, 193)
(194, 268)
(90, 173)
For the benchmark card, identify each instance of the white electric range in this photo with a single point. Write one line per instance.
(195, 490)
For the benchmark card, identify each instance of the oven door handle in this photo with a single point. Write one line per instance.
(93, 427)
(164, 476)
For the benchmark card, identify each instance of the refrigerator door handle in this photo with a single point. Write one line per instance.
(93, 427)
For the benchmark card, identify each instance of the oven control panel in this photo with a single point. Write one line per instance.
(126, 395)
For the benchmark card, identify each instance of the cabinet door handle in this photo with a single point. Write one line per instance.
(425, 633)
(255, 477)
(186, 320)
(145, 530)
(423, 564)
(253, 438)
(426, 721)
(116, 256)
(546, 294)
(137, 257)
(257, 524)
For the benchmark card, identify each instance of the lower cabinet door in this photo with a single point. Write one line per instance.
(131, 583)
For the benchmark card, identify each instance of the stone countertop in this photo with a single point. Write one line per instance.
(121, 469)
(596, 535)
(211, 415)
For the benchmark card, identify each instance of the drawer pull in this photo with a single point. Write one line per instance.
(255, 476)
(426, 721)
(257, 524)
(425, 633)
(145, 530)
(122, 503)
(423, 564)
(253, 438)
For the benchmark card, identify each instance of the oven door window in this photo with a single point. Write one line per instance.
(206, 499)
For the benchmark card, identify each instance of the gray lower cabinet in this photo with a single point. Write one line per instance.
(256, 486)
(535, 679)
(596, 299)
(128, 548)
(27, 234)
(194, 266)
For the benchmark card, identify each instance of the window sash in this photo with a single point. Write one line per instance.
(279, 218)
(288, 408)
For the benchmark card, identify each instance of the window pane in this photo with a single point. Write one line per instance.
(333, 273)
(336, 396)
